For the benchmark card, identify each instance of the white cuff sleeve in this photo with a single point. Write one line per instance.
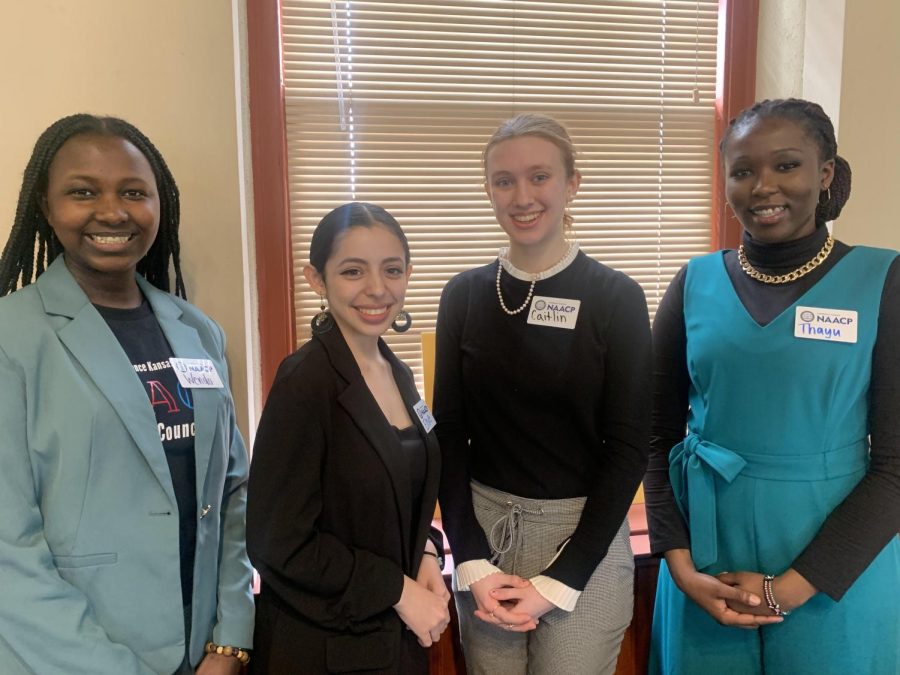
(473, 570)
(556, 592)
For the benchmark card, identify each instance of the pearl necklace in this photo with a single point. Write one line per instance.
(801, 271)
(504, 255)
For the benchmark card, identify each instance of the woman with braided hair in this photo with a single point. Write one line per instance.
(778, 511)
(124, 474)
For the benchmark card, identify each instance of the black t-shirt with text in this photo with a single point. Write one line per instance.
(143, 340)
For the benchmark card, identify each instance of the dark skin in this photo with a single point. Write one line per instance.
(103, 205)
(773, 177)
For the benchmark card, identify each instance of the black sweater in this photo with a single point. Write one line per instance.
(543, 412)
(865, 522)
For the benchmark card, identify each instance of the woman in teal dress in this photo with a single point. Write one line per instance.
(778, 510)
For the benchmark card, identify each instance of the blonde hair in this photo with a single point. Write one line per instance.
(542, 126)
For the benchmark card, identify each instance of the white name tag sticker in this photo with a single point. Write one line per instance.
(424, 415)
(554, 312)
(831, 325)
(196, 373)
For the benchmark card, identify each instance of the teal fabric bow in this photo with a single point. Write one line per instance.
(693, 464)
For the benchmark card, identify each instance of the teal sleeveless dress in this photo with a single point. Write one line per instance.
(777, 438)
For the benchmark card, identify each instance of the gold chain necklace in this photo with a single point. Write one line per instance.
(801, 271)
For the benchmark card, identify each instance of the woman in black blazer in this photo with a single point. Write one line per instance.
(344, 476)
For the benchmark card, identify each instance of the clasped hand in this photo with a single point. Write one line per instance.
(790, 589)
(423, 605)
(722, 597)
(509, 602)
(728, 602)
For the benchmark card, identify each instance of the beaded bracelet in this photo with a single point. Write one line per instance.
(771, 602)
(240, 654)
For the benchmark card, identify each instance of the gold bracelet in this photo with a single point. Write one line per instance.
(240, 654)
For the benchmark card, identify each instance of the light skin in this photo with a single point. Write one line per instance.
(103, 205)
(529, 188)
(774, 175)
(527, 183)
(364, 282)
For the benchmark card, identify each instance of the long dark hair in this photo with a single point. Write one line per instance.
(32, 245)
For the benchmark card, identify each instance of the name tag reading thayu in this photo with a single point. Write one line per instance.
(196, 373)
(554, 312)
(831, 325)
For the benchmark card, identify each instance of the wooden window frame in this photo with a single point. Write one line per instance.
(735, 90)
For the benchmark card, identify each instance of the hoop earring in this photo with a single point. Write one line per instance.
(827, 193)
(323, 321)
(405, 320)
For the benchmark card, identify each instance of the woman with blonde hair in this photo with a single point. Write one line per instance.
(542, 403)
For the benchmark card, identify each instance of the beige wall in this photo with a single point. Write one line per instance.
(799, 51)
(870, 113)
(168, 67)
(843, 55)
(780, 43)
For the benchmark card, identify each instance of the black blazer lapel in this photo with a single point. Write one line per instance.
(362, 408)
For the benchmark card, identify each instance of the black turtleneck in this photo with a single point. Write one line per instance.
(869, 517)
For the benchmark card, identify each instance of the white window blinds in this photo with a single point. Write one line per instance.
(392, 103)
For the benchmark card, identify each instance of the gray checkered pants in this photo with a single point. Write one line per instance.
(525, 534)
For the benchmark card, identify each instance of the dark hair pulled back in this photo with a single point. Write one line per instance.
(820, 129)
(347, 216)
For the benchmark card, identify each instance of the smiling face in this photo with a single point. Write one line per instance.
(103, 206)
(773, 177)
(364, 281)
(526, 181)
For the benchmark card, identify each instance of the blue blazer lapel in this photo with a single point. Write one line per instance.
(93, 345)
(185, 343)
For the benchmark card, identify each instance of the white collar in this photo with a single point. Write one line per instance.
(514, 271)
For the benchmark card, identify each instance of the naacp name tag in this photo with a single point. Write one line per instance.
(555, 312)
(832, 325)
(424, 415)
(196, 373)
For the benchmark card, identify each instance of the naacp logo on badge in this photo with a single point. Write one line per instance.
(553, 312)
(822, 323)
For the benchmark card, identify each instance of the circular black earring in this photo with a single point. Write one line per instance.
(405, 322)
(323, 321)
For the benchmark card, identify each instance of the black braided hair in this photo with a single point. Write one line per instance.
(820, 129)
(20, 262)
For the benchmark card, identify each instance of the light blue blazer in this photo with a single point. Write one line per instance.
(89, 551)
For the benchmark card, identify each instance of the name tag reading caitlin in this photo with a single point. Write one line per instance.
(553, 312)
